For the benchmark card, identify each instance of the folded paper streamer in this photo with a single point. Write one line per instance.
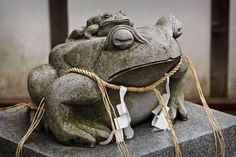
(218, 136)
(122, 123)
(159, 121)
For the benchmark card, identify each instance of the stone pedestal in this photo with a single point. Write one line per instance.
(195, 137)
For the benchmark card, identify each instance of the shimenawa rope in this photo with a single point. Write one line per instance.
(103, 85)
(112, 114)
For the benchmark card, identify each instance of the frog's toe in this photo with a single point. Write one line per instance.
(87, 34)
(173, 112)
(83, 133)
(99, 131)
(102, 135)
(79, 132)
(75, 136)
(182, 111)
(177, 108)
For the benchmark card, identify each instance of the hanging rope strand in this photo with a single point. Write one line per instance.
(168, 119)
(215, 126)
(110, 109)
(19, 105)
(112, 113)
(37, 118)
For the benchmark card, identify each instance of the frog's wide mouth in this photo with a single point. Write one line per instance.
(115, 22)
(143, 74)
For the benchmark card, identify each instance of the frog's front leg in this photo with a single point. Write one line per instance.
(176, 101)
(70, 111)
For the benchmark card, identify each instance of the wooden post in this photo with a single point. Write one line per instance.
(58, 21)
(219, 48)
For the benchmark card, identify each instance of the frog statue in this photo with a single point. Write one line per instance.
(119, 53)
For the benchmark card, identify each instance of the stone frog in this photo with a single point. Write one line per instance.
(100, 25)
(126, 56)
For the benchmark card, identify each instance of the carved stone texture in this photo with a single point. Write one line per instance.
(110, 46)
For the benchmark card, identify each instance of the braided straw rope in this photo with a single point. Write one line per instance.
(20, 105)
(111, 111)
(218, 136)
(37, 118)
(167, 117)
(130, 89)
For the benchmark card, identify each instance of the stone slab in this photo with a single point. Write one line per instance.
(195, 136)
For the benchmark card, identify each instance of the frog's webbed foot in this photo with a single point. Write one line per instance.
(83, 133)
(177, 109)
(70, 114)
(182, 111)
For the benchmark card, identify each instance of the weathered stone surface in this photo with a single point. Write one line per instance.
(111, 47)
(195, 136)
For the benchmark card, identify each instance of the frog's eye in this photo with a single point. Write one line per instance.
(106, 15)
(177, 28)
(122, 37)
(122, 12)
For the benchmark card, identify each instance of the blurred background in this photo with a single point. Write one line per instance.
(30, 28)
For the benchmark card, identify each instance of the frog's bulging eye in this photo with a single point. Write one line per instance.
(177, 28)
(122, 37)
(106, 15)
(122, 12)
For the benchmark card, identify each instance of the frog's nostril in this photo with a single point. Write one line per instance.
(122, 39)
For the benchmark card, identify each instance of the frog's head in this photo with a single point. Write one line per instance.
(110, 19)
(129, 56)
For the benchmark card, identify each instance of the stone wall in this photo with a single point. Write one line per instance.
(24, 43)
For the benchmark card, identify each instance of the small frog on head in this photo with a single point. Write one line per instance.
(100, 25)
